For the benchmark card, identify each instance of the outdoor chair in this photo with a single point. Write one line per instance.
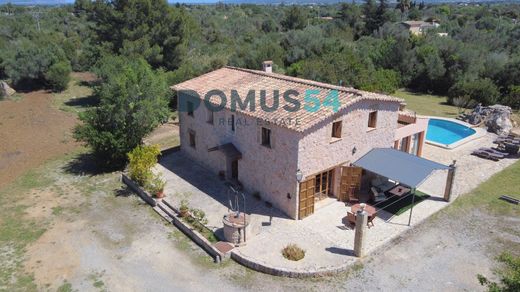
(482, 153)
(371, 219)
(351, 217)
(507, 139)
(508, 148)
(382, 183)
(352, 197)
(377, 196)
(493, 151)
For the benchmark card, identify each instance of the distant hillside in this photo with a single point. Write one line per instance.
(272, 2)
(289, 2)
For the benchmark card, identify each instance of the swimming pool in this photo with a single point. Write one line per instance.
(447, 133)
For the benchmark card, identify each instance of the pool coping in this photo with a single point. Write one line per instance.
(479, 133)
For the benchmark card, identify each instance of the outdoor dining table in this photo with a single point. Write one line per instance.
(371, 210)
(399, 190)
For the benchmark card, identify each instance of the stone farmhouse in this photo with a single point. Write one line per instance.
(419, 27)
(293, 157)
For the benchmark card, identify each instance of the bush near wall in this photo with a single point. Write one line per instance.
(141, 160)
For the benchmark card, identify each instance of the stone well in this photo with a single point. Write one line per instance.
(235, 228)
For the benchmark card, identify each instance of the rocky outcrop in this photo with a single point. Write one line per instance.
(497, 118)
(5, 90)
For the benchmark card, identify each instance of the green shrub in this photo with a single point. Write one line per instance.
(141, 161)
(184, 208)
(197, 219)
(58, 75)
(480, 90)
(293, 252)
(199, 215)
(156, 184)
(383, 80)
(133, 102)
(513, 98)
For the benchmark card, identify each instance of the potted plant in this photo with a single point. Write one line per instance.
(156, 186)
(184, 209)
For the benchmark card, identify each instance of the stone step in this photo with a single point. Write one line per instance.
(169, 205)
(163, 214)
(167, 210)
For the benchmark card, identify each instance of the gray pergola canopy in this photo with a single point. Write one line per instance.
(399, 166)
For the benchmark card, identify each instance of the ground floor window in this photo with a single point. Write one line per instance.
(405, 143)
(323, 187)
(192, 138)
(415, 144)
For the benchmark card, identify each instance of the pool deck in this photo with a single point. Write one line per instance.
(479, 133)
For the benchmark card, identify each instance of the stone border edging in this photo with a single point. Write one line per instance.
(137, 189)
(283, 272)
(195, 236)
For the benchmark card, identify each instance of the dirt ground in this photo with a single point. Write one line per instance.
(99, 236)
(166, 135)
(65, 227)
(33, 130)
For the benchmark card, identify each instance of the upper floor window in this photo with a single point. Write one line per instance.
(336, 129)
(232, 123)
(190, 108)
(372, 120)
(266, 137)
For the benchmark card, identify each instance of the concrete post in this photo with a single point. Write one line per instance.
(449, 181)
(361, 226)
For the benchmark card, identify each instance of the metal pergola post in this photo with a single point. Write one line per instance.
(411, 209)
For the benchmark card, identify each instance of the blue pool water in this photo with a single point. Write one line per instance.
(447, 132)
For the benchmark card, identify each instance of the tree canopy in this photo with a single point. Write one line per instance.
(468, 45)
(133, 101)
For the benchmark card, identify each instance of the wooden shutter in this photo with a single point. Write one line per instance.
(350, 182)
(306, 198)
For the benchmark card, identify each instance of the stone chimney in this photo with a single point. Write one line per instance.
(267, 66)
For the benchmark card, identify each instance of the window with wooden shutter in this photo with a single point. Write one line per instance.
(266, 137)
(372, 120)
(336, 129)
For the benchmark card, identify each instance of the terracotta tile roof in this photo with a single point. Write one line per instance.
(243, 80)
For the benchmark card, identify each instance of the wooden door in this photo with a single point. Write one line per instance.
(350, 182)
(306, 198)
(323, 185)
(234, 169)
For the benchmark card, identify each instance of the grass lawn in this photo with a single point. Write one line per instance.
(426, 104)
(486, 195)
(76, 98)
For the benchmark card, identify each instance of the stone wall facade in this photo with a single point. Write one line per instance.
(269, 171)
(318, 151)
(272, 171)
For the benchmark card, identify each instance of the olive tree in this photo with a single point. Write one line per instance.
(133, 101)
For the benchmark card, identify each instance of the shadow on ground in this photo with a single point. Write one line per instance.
(208, 183)
(88, 164)
(83, 102)
(340, 251)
